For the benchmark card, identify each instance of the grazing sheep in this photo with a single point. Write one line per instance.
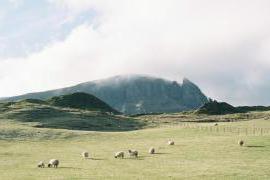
(133, 153)
(241, 142)
(53, 163)
(85, 154)
(170, 142)
(151, 150)
(41, 164)
(119, 154)
(216, 124)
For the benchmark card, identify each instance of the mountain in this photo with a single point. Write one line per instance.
(134, 94)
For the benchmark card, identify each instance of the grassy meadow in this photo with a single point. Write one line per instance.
(200, 152)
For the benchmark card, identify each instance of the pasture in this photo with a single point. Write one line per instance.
(198, 153)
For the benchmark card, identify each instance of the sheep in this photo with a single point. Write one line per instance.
(241, 142)
(216, 124)
(41, 164)
(170, 142)
(119, 154)
(133, 153)
(151, 150)
(53, 163)
(85, 154)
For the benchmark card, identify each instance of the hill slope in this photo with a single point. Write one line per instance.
(217, 108)
(221, 108)
(77, 111)
(81, 101)
(135, 94)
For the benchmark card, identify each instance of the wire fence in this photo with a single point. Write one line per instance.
(248, 131)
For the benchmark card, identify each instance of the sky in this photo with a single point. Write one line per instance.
(221, 45)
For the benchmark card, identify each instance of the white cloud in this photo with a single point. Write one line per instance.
(16, 3)
(222, 45)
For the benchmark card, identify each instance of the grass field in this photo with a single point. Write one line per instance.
(197, 154)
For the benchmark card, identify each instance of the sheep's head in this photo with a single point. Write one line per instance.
(129, 151)
(241, 142)
(49, 165)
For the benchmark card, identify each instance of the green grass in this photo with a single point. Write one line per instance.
(198, 154)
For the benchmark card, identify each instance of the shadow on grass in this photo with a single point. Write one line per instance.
(14, 154)
(255, 146)
(97, 159)
(67, 168)
(160, 153)
(138, 158)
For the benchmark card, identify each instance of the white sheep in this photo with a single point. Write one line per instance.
(85, 154)
(133, 153)
(216, 124)
(41, 164)
(170, 142)
(53, 163)
(119, 154)
(151, 150)
(241, 142)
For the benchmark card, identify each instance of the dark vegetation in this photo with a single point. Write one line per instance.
(217, 108)
(214, 107)
(253, 108)
(81, 101)
(78, 111)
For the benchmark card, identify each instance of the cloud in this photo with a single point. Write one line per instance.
(28, 26)
(223, 46)
(16, 3)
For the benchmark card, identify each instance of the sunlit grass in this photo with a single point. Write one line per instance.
(198, 154)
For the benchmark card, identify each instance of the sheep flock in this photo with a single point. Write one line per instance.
(120, 154)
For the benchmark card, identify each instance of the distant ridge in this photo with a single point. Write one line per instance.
(134, 94)
(217, 108)
(221, 108)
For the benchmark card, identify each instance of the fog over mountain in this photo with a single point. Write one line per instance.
(221, 45)
(135, 94)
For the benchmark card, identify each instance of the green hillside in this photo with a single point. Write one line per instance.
(63, 113)
(81, 101)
